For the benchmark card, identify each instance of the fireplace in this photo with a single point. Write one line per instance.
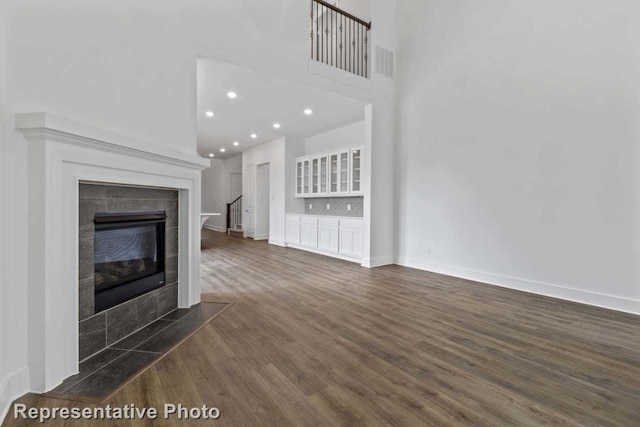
(129, 256)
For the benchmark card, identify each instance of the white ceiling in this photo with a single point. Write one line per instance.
(262, 100)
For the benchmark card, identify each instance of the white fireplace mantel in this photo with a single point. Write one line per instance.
(62, 153)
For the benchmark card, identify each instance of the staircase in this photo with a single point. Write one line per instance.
(234, 218)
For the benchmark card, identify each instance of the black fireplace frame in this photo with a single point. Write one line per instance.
(129, 290)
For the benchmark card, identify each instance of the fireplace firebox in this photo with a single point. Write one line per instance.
(129, 256)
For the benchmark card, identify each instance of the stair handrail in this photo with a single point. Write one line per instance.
(233, 212)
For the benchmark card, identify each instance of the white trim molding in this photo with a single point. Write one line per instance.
(378, 261)
(612, 302)
(277, 242)
(15, 384)
(82, 134)
(325, 253)
(215, 228)
(61, 154)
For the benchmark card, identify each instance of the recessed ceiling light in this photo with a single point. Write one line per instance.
(254, 136)
(308, 111)
(211, 154)
(209, 114)
(236, 143)
(222, 150)
(232, 95)
(276, 125)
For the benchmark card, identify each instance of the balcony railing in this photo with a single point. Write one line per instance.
(339, 39)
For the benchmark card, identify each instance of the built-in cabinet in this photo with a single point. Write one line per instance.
(351, 236)
(334, 236)
(338, 173)
(355, 162)
(306, 176)
(329, 234)
(292, 229)
(308, 231)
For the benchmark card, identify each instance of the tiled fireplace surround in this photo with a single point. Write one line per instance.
(98, 331)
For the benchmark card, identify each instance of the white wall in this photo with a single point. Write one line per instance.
(3, 300)
(519, 134)
(294, 147)
(231, 165)
(359, 8)
(344, 136)
(13, 316)
(272, 152)
(216, 189)
(140, 79)
(213, 194)
(263, 206)
(380, 155)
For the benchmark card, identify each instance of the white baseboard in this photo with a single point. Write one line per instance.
(277, 242)
(215, 228)
(378, 261)
(321, 252)
(260, 237)
(12, 387)
(612, 302)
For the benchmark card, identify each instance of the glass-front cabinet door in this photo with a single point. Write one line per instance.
(299, 178)
(324, 174)
(356, 170)
(306, 177)
(344, 172)
(334, 167)
(315, 175)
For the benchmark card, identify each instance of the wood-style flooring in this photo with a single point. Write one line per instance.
(315, 341)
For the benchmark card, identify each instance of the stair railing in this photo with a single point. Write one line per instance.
(234, 214)
(339, 39)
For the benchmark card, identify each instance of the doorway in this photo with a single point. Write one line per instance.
(263, 205)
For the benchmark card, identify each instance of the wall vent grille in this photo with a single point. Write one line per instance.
(384, 62)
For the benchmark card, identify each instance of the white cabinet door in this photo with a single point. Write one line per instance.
(324, 175)
(315, 176)
(328, 238)
(299, 178)
(306, 177)
(334, 173)
(355, 170)
(343, 182)
(292, 230)
(309, 235)
(339, 172)
(351, 242)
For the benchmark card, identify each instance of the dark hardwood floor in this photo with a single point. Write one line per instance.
(314, 341)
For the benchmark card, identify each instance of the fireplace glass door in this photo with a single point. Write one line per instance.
(128, 256)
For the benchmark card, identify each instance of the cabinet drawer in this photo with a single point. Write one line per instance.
(330, 222)
(351, 223)
(311, 220)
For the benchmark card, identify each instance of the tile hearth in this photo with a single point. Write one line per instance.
(106, 371)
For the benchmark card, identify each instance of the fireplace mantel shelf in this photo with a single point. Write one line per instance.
(57, 127)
